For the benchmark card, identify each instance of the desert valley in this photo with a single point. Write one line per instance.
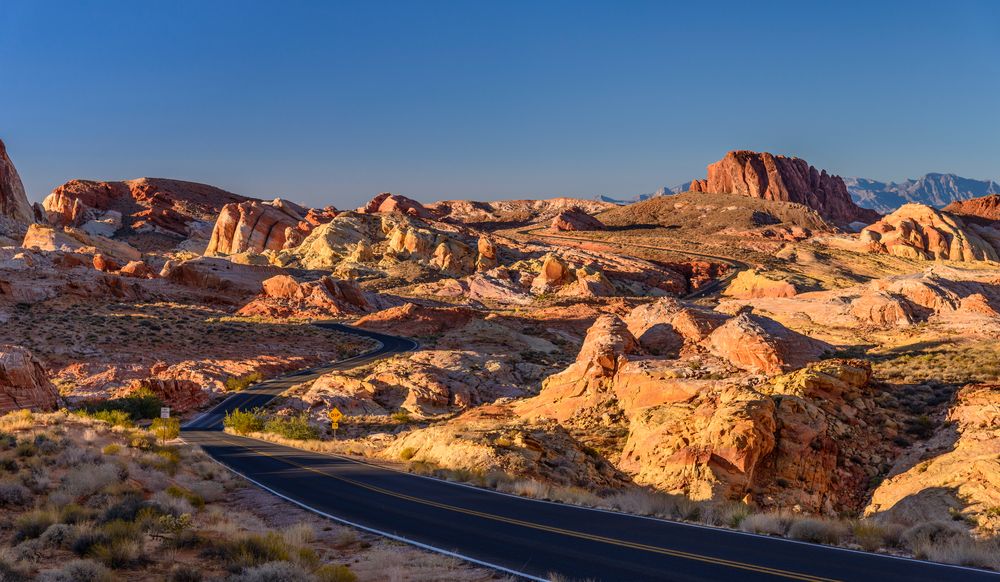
(757, 353)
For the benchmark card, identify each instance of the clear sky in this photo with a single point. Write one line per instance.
(330, 102)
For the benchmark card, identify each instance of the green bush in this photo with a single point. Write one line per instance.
(166, 429)
(332, 573)
(407, 453)
(142, 403)
(292, 427)
(238, 383)
(244, 421)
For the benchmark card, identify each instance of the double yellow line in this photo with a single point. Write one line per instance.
(557, 530)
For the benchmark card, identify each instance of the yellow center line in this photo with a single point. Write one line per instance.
(571, 533)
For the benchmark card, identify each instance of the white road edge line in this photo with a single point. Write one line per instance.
(386, 534)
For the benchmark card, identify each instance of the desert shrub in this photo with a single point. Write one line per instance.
(86, 480)
(8, 465)
(77, 571)
(7, 441)
(273, 572)
(179, 492)
(142, 403)
(820, 531)
(25, 448)
(244, 421)
(963, 551)
(10, 573)
(111, 449)
(295, 427)
(166, 429)
(32, 524)
(642, 502)
(14, 495)
(112, 417)
(931, 533)
(184, 573)
(126, 509)
(88, 539)
(250, 550)
(58, 535)
(72, 513)
(120, 553)
(726, 514)
(335, 573)
(766, 523)
(208, 490)
(407, 453)
(299, 534)
(401, 416)
(238, 383)
(171, 505)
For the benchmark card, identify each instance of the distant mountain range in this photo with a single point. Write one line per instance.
(936, 190)
(933, 189)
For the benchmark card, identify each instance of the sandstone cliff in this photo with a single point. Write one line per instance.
(916, 231)
(259, 226)
(13, 200)
(764, 175)
(23, 382)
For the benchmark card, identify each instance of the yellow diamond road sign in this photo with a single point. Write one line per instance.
(335, 414)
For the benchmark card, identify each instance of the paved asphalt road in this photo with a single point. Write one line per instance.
(531, 538)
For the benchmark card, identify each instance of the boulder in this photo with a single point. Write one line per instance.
(883, 309)
(761, 345)
(23, 382)
(70, 239)
(283, 296)
(753, 284)
(217, 274)
(770, 177)
(575, 218)
(387, 202)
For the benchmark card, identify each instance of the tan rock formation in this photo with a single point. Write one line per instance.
(958, 472)
(883, 309)
(216, 274)
(985, 207)
(503, 213)
(752, 284)
(487, 254)
(770, 177)
(46, 238)
(180, 395)
(284, 297)
(413, 320)
(575, 218)
(23, 382)
(915, 231)
(762, 345)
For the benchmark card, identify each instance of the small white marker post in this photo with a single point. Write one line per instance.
(165, 412)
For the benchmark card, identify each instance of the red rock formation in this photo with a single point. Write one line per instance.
(416, 320)
(575, 219)
(23, 383)
(283, 296)
(216, 274)
(171, 207)
(770, 177)
(13, 201)
(180, 395)
(985, 207)
(258, 226)
(915, 231)
(388, 202)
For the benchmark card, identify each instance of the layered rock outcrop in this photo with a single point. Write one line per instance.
(920, 232)
(985, 208)
(956, 474)
(770, 177)
(23, 382)
(387, 202)
(285, 297)
(173, 209)
(259, 226)
(753, 284)
(575, 218)
(761, 345)
(69, 239)
(14, 205)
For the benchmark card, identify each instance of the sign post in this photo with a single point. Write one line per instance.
(335, 415)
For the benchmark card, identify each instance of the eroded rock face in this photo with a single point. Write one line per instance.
(575, 218)
(416, 320)
(283, 297)
(216, 274)
(259, 226)
(762, 345)
(958, 472)
(151, 206)
(23, 382)
(179, 394)
(503, 213)
(13, 200)
(985, 208)
(920, 232)
(46, 238)
(770, 177)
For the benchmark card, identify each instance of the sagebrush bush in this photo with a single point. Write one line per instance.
(77, 571)
(296, 427)
(14, 495)
(33, 524)
(820, 531)
(766, 523)
(244, 421)
(238, 383)
(274, 572)
(58, 535)
(86, 480)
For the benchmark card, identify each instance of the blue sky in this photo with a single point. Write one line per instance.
(332, 102)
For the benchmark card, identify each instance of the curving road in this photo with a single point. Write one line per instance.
(528, 538)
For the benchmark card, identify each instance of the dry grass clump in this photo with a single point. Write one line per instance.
(818, 530)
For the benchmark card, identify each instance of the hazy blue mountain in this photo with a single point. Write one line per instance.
(936, 190)
(662, 191)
